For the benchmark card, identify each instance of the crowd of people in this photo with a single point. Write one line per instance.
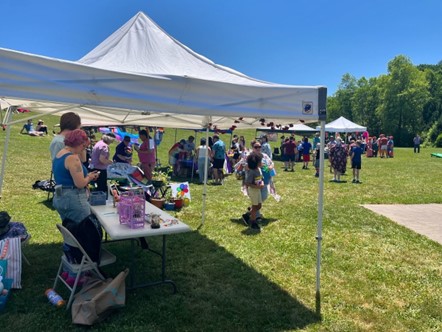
(251, 163)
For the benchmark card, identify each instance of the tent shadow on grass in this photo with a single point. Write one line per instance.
(216, 291)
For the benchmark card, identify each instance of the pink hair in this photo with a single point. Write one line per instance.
(75, 138)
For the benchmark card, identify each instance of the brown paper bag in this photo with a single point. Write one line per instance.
(97, 298)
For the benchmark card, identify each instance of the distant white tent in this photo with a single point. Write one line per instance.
(296, 128)
(342, 125)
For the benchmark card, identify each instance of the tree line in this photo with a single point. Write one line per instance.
(405, 102)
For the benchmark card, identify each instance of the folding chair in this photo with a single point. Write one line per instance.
(86, 263)
(24, 243)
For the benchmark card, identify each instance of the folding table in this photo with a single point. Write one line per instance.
(109, 219)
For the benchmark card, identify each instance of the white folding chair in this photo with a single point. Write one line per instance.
(86, 263)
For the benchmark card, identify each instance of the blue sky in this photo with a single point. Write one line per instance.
(299, 42)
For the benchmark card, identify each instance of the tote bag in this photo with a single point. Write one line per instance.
(10, 250)
(98, 298)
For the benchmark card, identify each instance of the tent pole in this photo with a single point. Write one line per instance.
(320, 216)
(206, 163)
(193, 160)
(6, 120)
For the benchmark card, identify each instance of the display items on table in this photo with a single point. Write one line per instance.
(97, 198)
(156, 221)
(120, 171)
(131, 208)
(158, 202)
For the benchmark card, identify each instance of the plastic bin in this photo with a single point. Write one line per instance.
(4, 298)
(97, 198)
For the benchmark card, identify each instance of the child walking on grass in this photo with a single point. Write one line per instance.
(254, 182)
(356, 161)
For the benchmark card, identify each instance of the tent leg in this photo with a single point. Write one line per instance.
(320, 216)
(6, 121)
(206, 163)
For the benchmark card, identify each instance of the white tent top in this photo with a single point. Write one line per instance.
(342, 125)
(140, 75)
(141, 39)
(298, 127)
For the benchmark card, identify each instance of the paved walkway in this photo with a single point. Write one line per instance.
(425, 219)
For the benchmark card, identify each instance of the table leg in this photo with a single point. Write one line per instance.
(163, 268)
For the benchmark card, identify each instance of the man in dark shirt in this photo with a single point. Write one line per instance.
(123, 151)
(289, 154)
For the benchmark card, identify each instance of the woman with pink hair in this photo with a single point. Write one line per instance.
(72, 178)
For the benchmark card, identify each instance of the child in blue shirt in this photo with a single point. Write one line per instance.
(356, 160)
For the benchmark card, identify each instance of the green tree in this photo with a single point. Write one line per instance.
(365, 101)
(340, 103)
(405, 93)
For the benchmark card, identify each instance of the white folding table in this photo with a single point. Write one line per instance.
(109, 219)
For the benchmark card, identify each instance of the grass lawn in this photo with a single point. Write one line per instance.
(376, 275)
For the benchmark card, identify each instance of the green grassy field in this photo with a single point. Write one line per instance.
(376, 275)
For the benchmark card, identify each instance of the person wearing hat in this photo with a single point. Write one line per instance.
(123, 151)
(41, 127)
(100, 160)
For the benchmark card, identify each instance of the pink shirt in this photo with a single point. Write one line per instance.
(146, 158)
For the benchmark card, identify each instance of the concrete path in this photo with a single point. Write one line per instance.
(425, 219)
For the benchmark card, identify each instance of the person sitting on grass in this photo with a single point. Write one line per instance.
(29, 128)
(254, 182)
(42, 127)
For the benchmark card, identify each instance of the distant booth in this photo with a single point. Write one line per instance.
(274, 134)
(189, 165)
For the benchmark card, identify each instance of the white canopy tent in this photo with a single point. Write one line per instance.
(342, 125)
(140, 75)
(296, 128)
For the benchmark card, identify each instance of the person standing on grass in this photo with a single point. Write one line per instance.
(417, 144)
(265, 146)
(201, 152)
(72, 178)
(317, 158)
(356, 160)
(375, 146)
(383, 140)
(219, 156)
(100, 160)
(390, 147)
(306, 148)
(254, 182)
(68, 122)
(123, 151)
(146, 154)
(289, 154)
(338, 158)
(268, 172)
